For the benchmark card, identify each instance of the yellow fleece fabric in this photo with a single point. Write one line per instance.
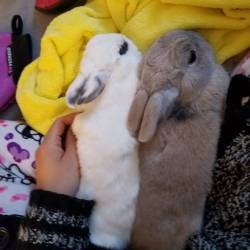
(41, 88)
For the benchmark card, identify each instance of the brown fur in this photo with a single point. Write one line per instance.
(179, 149)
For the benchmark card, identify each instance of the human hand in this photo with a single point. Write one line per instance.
(57, 167)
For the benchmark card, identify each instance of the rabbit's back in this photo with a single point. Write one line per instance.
(175, 168)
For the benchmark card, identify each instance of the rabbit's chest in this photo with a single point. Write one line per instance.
(167, 133)
(170, 146)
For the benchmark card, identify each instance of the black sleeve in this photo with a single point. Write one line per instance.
(55, 221)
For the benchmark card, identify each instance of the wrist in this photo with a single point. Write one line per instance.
(53, 200)
(56, 190)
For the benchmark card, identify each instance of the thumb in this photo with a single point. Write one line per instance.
(70, 142)
(70, 154)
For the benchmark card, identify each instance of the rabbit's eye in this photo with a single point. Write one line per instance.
(123, 48)
(192, 57)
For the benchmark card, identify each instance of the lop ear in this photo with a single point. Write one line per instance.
(159, 104)
(85, 89)
(93, 88)
(136, 111)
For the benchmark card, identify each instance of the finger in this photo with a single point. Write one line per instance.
(70, 142)
(71, 149)
(68, 119)
(58, 128)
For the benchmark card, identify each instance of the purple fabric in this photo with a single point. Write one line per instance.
(7, 86)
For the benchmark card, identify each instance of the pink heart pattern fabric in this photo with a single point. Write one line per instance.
(19, 154)
(18, 144)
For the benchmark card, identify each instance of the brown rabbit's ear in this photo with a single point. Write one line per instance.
(136, 111)
(159, 104)
(151, 117)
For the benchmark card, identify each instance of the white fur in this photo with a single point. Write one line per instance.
(107, 153)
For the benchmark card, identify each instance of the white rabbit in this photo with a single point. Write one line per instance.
(104, 89)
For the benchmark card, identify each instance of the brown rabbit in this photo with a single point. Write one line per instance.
(176, 115)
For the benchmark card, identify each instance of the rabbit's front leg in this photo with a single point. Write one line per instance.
(106, 229)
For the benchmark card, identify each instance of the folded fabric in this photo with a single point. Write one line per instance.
(43, 83)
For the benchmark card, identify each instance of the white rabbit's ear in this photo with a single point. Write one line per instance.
(94, 86)
(85, 89)
(160, 104)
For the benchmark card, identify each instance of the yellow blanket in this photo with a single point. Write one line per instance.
(40, 94)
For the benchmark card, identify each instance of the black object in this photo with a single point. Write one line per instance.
(9, 225)
(236, 113)
(21, 48)
(4, 237)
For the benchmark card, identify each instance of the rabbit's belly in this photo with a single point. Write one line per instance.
(105, 175)
(107, 180)
(109, 164)
(94, 178)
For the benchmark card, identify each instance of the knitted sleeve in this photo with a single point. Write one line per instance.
(54, 221)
